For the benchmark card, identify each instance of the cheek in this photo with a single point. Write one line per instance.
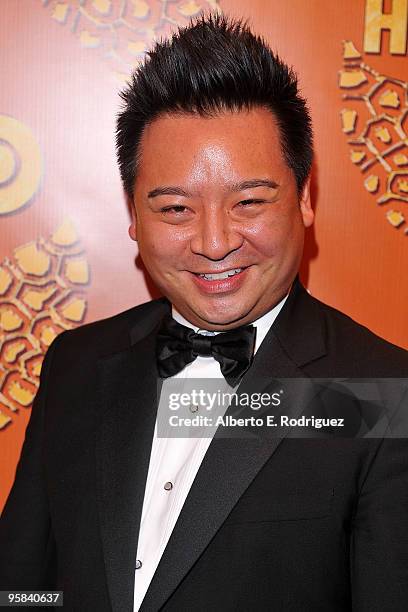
(266, 239)
(162, 242)
(276, 233)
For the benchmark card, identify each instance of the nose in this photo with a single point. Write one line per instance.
(215, 235)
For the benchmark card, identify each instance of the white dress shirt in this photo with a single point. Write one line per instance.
(174, 463)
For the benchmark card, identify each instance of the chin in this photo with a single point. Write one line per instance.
(216, 318)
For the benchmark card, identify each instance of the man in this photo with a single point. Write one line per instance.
(215, 151)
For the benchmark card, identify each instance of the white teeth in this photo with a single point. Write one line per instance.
(221, 275)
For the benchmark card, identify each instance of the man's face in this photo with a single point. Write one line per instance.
(218, 220)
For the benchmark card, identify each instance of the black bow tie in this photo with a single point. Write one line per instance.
(178, 346)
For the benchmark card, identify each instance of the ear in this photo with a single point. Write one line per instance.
(132, 227)
(306, 205)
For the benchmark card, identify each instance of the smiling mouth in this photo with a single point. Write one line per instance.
(220, 275)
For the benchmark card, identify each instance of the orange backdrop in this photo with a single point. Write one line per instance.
(65, 257)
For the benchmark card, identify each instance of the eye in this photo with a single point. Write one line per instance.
(173, 209)
(250, 201)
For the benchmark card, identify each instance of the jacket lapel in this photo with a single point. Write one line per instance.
(128, 400)
(235, 460)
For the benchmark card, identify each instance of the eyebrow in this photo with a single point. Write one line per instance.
(249, 184)
(256, 182)
(167, 190)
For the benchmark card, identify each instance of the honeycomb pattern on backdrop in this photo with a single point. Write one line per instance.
(121, 31)
(20, 165)
(376, 122)
(42, 293)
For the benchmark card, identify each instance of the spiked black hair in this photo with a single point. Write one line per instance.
(213, 65)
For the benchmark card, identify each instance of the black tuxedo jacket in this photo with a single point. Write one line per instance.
(269, 524)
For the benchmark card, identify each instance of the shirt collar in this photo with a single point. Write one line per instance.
(262, 325)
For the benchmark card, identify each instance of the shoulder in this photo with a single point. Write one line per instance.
(351, 344)
(109, 335)
(327, 342)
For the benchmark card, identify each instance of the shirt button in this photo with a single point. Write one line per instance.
(168, 486)
(193, 408)
(138, 564)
